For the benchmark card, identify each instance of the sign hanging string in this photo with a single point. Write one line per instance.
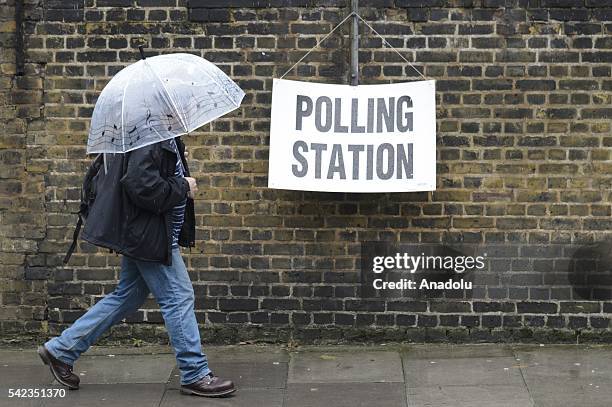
(390, 46)
(370, 27)
(318, 43)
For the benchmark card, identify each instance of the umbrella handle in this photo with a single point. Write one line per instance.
(142, 55)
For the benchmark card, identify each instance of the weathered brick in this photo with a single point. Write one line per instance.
(209, 15)
(236, 304)
(535, 85)
(115, 3)
(536, 307)
(579, 308)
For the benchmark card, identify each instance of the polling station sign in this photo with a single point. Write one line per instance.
(341, 138)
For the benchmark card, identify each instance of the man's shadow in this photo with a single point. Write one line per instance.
(590, 272)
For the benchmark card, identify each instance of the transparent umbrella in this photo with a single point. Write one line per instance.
(158, 98)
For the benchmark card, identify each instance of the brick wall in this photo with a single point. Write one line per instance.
(524, 158)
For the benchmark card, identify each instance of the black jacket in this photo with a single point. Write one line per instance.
(134, 197)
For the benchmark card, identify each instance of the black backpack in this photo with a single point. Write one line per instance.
(88, 195)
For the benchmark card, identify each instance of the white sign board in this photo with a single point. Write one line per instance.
(341, 138)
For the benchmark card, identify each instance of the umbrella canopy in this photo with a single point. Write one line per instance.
(159, 98)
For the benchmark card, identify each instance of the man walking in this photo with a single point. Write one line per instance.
(144, 210)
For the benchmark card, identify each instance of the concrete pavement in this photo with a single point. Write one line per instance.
(382, 375)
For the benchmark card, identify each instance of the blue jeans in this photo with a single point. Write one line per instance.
(173, 291)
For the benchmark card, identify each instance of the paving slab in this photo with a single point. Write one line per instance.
(245, 353)
(6, 401)
(242, 398)
(345, 395)
(112, 368)
(23, 369)
(469, 396)
(556, 392)
(568, 376)
(105, 395)
(256, 375)
(343, 367)
(447, 351)
(436, 376)
(462, 371)
(566, 362)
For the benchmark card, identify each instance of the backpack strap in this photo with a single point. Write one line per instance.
(75, 237)
(86, 199)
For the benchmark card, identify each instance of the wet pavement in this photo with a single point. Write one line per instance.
(382, 375)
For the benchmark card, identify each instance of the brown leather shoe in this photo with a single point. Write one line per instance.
(209, 386)
(60, 370)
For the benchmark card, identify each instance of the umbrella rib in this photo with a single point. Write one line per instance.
(169, 96)
(217, 83)
(127, 83)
